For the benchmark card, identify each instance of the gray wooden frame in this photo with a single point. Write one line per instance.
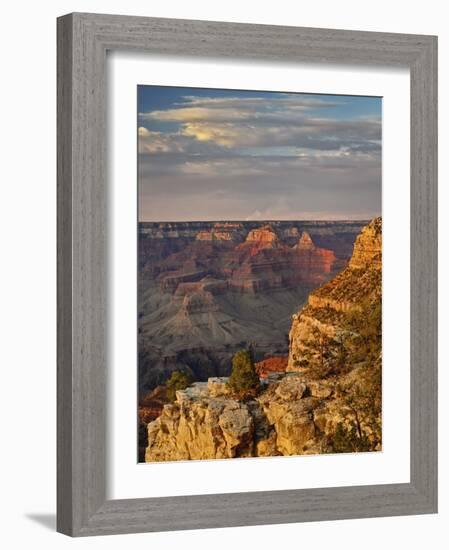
(83, 40)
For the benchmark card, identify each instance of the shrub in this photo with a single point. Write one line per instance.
(244, 380)
(348, 440)
(178, 381)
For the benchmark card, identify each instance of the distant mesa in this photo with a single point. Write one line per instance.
(229, 226)
(264, 234)
(214, 236)
(305, 242)
(226, 231)
(260, 238)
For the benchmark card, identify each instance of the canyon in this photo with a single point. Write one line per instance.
(324, 395)
(207, 289)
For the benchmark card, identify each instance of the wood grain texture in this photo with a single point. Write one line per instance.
(83, 40)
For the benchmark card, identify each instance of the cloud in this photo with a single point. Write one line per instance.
(275, 157)
(226, 109)
(313, 134)
(236, 122)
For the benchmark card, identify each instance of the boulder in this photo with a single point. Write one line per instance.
(218, 386)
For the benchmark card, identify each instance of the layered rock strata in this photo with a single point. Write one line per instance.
(325, 318)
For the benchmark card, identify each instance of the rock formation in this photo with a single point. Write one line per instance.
(221, 232)
(264, 263)
(305, 242)
(368, 247)
(201, 424)
(292, 416)
(271, 365)
(325, 318)
(206, 422)
(259, 238)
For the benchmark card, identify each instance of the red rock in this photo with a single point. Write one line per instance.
(148, 414)
(263, 263)
(272, 364)
(305, 242)
(151, 405)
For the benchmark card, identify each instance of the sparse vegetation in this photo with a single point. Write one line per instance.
(362, 397)
(178, 381)
(244, 380)
(348, 440)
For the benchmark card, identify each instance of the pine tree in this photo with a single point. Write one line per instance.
(244, 379)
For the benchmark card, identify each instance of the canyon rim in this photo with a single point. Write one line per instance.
(259, 274)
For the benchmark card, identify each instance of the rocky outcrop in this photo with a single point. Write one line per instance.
(151, 405)
(262, 235)
(271, 365)
(305, 242)
(315, 262)
(368, 247)
(171, 281)
(207, 284)
(257, 240)
(201, 425)
(291, 416)
(325, 320)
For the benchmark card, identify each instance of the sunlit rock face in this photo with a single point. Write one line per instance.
(263, 236)
(292, 416)
(329, 306)
(201, 425)
(205, 422)
(305, 242)
(368, 247)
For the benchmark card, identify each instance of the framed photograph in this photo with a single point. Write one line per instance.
(247, 279)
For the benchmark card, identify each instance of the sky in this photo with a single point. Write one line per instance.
(209, 154)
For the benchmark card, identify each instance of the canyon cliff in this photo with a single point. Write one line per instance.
(331, 308)
(326, 397)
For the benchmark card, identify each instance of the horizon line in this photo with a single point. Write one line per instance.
(267, 220)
